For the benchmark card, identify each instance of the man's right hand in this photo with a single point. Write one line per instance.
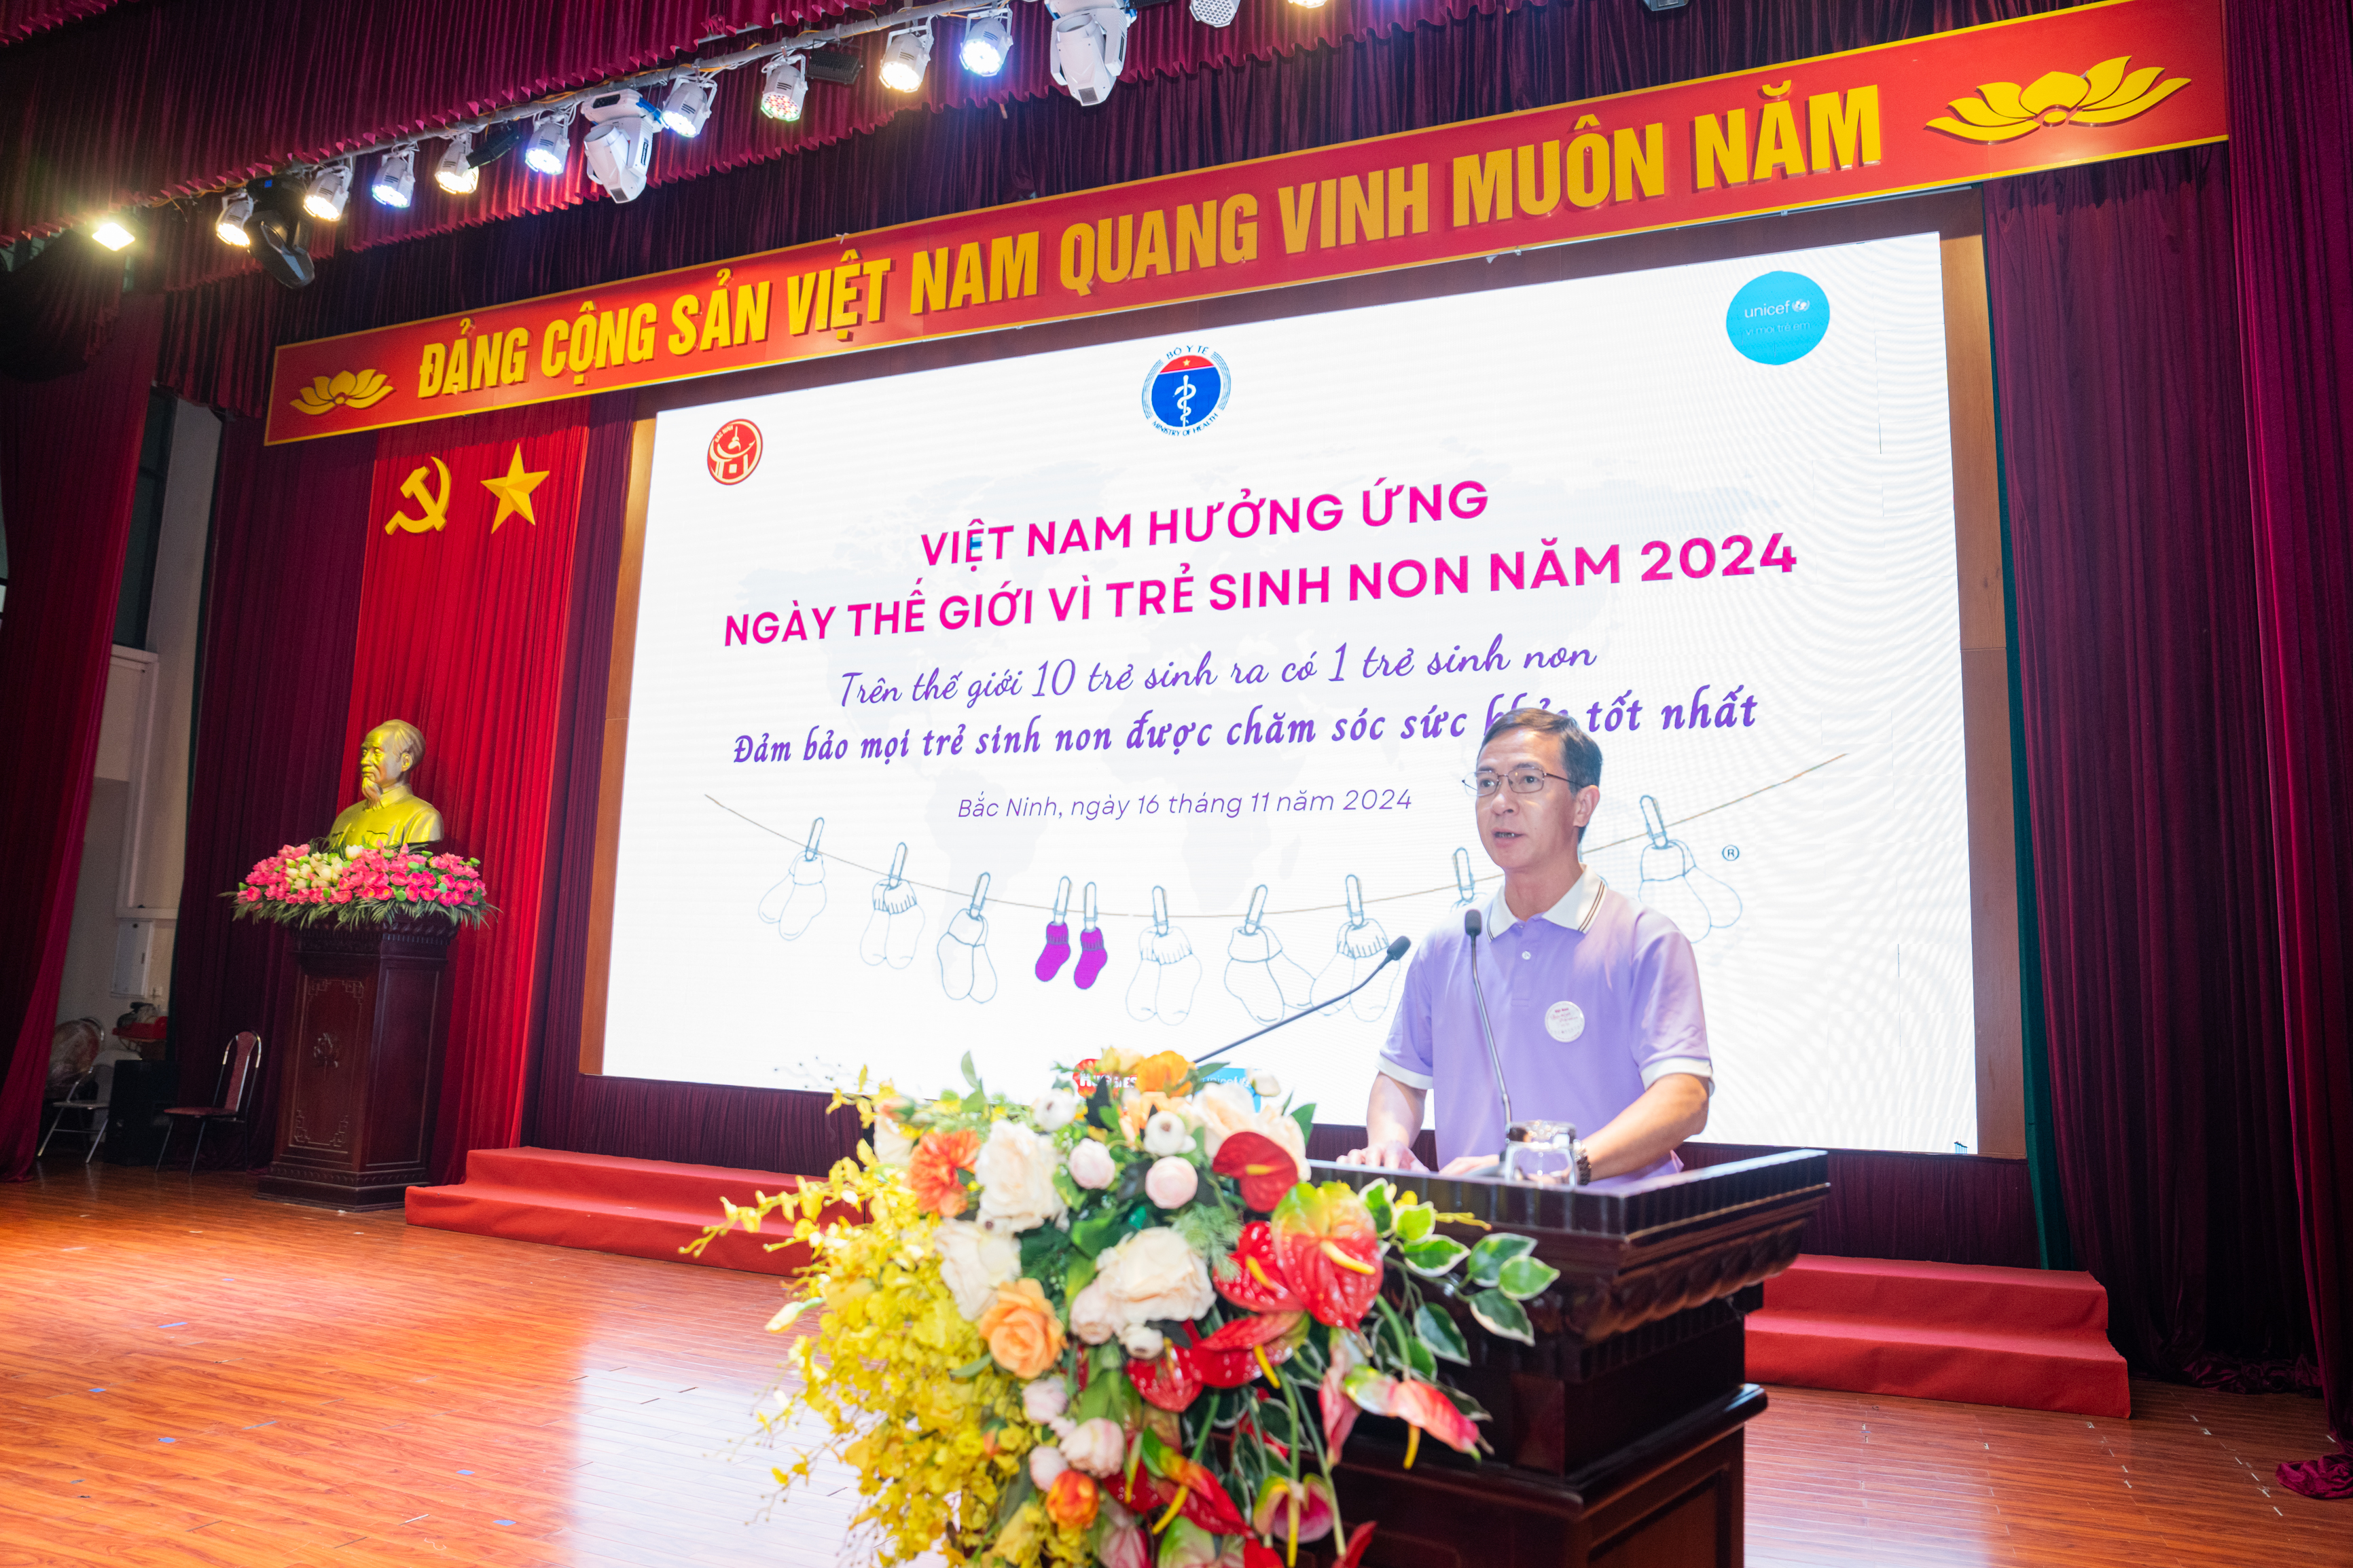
(1391, 1156)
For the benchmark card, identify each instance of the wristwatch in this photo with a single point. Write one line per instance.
(1583, 1163)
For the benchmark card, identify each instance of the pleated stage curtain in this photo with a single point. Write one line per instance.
(282, 599)
(2291, 121)
(464, 603)
(2135, 571)
(69, 463)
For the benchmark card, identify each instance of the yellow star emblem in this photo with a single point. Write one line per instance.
(513, 490)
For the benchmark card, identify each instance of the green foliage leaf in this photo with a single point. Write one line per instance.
(1077, 1275)
(1097, 1231)
(1523, 1277)
(1419, 1359)
(1042, 1248)
(1376, 1203)
(1433, 1256)
(970, 1076)
(1437, 1330)
(1305, 1117)
(1503, 1317)
(1487, 1259)
(1413, 1224)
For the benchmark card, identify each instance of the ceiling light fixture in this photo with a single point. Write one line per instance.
(550, 141)
(331, 188)
(906, 55)
(783, 84)
(113, 231)
(988, 40)
(396, 176)
(688, 104)
(456, 173)
(236, 213)
(1090, 48)
(619, 146)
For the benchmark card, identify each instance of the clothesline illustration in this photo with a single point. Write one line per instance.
(965, 972)
(902, 886)
(1673, 883)
(1164, 981)
(1267, 981)
(793, 903)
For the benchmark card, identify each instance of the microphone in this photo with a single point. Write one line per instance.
(1397, 951)
(1472, 925)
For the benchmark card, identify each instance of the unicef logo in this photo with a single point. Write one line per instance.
(1778, 318)
(1186, 390)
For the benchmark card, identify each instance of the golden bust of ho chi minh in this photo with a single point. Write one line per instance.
(389, 814)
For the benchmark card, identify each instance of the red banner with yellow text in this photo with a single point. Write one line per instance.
(2100, 81)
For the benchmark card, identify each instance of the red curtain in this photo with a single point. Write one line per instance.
(462, 633)
(2135, 571)
(2291, 121)
(282, 595)
(69, 462)
(21, 19)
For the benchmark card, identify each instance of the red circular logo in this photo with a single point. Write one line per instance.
(735, 452)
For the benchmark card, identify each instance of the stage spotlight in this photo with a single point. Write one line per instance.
(1090, 48)
(113, 231)
(1664, 4)
(331, 188)
(496, 142)
(396, 176)
(456, 173)
(236, 214)
(783, 84)
(621, 147)
(905, 56)
(288, 264)
(987, 40)
(1221, 13)
(551, 142)
(688, 104)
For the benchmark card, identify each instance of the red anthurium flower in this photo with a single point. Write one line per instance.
(1263, 1167)
(1271, 1516)
(1257, 1330)
(1425, 1406)
(1256, 1279)
(1204, 1500)
(1219, 1368)
(1358, 1542)
(1256, 1556)
(1331, 1254)
(1338, 1409)
(1173, 1381)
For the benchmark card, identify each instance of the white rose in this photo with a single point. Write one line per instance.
(1045, 1464)
(893, 1146)
(1153, 1273)
(1092, 1166)
(1268, 1086)
(974, 1261)
(1045, 1398)
(1054, 1110)
(1095, 1315)
(1098, 1446)
(1016, 1169)
(1166, 1133)
(1142, 1342)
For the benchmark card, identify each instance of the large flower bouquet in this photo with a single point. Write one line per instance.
(1117, 1324)
(302, 887)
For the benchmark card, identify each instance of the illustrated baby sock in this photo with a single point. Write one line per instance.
(1091, 957)
(1058, 935)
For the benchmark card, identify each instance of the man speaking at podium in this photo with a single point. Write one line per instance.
(1593, 999)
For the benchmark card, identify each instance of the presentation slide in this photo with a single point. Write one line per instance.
(1123, 695)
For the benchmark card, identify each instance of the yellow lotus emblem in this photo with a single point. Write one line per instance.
(2104, 95)
(345, 388)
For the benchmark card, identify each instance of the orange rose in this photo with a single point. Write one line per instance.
(1164, 1071)
(932, 1172)
(1071, 1500)
(1022, 1331)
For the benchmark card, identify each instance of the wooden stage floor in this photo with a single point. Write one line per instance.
(189, 1375)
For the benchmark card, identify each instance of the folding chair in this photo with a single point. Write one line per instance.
(76, 1103)
(240, 1073)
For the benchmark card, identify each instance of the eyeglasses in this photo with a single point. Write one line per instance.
(1524, 781)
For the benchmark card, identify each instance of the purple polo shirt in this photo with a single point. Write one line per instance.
(1592, 1002)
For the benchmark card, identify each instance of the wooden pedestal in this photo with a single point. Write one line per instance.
(359, 1081)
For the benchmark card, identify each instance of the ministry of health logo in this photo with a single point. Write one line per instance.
(1186, 390)
(733, 452)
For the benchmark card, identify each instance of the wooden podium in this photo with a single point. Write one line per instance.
(1617, 1436)
(360, 1079)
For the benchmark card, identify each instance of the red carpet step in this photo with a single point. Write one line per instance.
(2032, 1339)
(642, 1208)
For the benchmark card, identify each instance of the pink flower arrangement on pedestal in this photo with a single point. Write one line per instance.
(298, 886)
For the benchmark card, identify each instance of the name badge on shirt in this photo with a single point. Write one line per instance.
(1564, 1021)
